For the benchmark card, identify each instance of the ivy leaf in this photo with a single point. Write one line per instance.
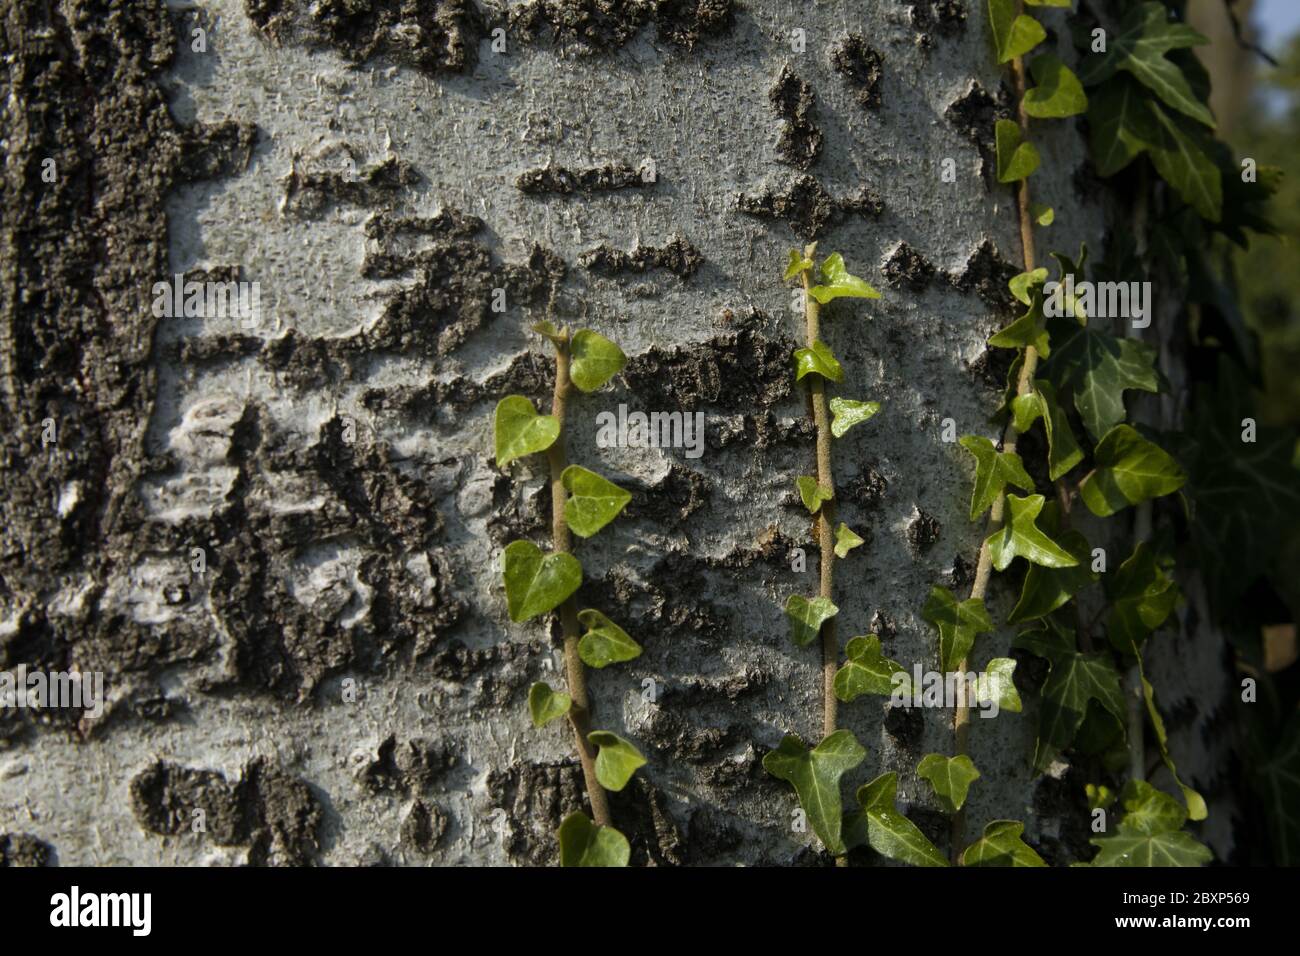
(1099, 367)
(595, 360)
(1129, 469)
(616, 760)
(957, 623)
(1014, 34)
(1150, 832)
(847, 413)
(1122, 126)
(878, 824)
(997, 683)
(1277, 781)
(1001, 845)
(866, 671)
(1181, 155)
(1029, 330)
(846, 539)
(1046, 589)
(1196, 808)
(1017, 157)
(818, 360)
(1065, 4)
(605, 642)
(811, 493)
(1145, 35)
(1063, 451)
(537, 583)
(798, 264)
(1022, 285)
(950, 777)
(815, 776)
(1058, 92)
(1142, 595)
(582, 843)
(1020, 537)
(1100, 796)
(994, 470)
(593, 501)
(547, 329)
(1041, 214)
(806, 617)
(839, 284)
(521, 431)
(545, 704)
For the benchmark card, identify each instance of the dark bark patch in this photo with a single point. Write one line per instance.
(974, 115)
(677, 256)
(23, 849)
(907, 267)
(986, 274)
(801, 141)
(553, 180)
(922, 532)
(860, 65)
(592, 27)
(310, 189)
(807, 208)
(423, 827)
(735, 370)
(407, 768)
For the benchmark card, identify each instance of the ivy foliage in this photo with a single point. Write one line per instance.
(815, 775)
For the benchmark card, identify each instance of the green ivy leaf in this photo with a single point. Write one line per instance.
(818, 360)
(806, 617)
(1100, 796)
(1099, 367)
(1150, 832)
(545, 705)
(846, 413)
(1277, 781)
(1122, 126)
(839, 284)
(1020, 537)
(1023, 284)
(1058, 92)
(1001, 845)
(994, 470)
(1017, 157)
(605, 642)
(521, 431)
(537, 583)
(1181, 154)
(547, 330)
(616, 760)
(1196, 808)
(1129, 469)
(582, 843)
(1041, 214)
(1046, 589)
(1014, 34)
(866, 671)
(1029, 330)
(997, 683)
(1063, 451)
(595, 360)
(1142, 594)
(1065, 4)
(957, 624)
(811, 493)
(846, 539)
(1145, 35)
(798, 264)
(950, 777)
(593, 501)
(878, 824)
(815, 776)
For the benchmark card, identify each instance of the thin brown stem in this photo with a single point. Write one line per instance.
(562, 541)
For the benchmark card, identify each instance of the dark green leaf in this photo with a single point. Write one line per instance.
(886, 830)
(1001, 845)
(1063, 451)
(1099, 367)
(994, 470)
(867, 671)
(957, 624)
(1058, 92)
(806, 617)
(1129, 469)
(950, 777)
(537, 583)
(1020, 537)
(1196, 808)
(815, 776)
(1142, 594)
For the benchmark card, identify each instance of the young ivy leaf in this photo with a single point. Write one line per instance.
(1001, 845)
(798, 265)
(997, 683)
(815, 775)
(1014, 34)
(1196, 808)
(537, 583)
(1150, 832)
(1129, 469)
(521, 431)
(1063, 451)
(1029, 330)
(994, 470)
(1023, 284)
(839, 284)
(846, 539)
(806, 617)
(545, 704)
(605, 642)
(1041, 214)
(583, 843)
(1017, 157)
(818, 360)
(616, 760)
(867, 671)
(593, 501)
(1046, 589)
(845, 413)
(1142, 595)
(950, 777)
(1020, 537)
(1058, 92)
(957, 624)
(1122, 127)
(595, 360)
(811, 493)
(878, 824)
(547, 330)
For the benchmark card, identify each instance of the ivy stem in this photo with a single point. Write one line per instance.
(1024, 386)
(826, 513)
(562, 541)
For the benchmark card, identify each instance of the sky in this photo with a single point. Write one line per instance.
(1276, 20)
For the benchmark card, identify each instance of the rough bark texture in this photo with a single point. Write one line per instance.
(380, 170)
